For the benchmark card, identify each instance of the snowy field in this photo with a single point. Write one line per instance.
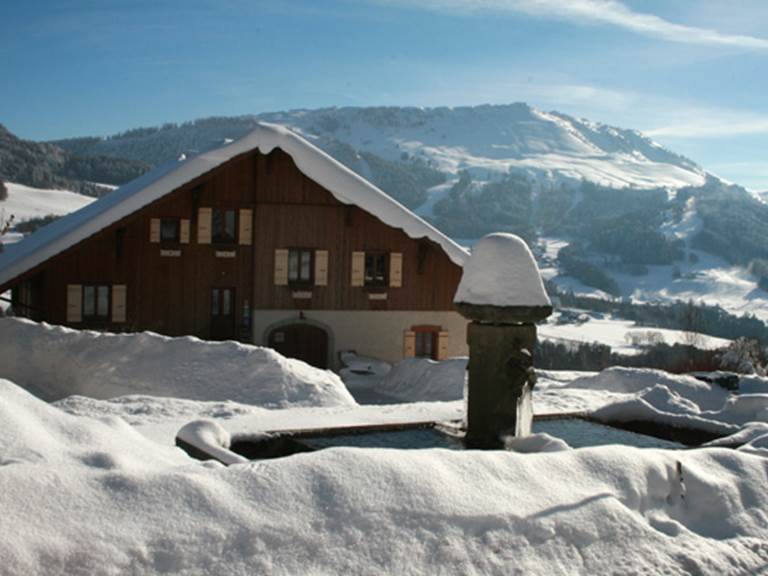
(95, 485)
(619, 334)
(25, 202)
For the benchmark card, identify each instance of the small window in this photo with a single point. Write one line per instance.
(425, 344)
(300, 268)
(223, 226)
(169, 230)
(96, 301)
(376, 268)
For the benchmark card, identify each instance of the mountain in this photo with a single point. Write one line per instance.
(607, 209)
(47, 166)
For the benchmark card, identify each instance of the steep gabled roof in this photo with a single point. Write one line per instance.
(342, 183)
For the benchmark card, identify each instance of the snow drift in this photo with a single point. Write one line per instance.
(80, 496)
(54, 362)
(421, 379)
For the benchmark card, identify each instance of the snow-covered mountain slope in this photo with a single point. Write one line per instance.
(25, 202)
(699, 276)
(491, 140)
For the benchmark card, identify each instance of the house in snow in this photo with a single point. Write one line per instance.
(266, 240)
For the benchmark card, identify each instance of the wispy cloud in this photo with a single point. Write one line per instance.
(709, 123)
(610, 12)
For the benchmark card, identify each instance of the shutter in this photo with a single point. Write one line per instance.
(395, 270)
(154, 230)
(409, 344)
(204, 216)
(281, 267)
(442, 345)
(358, 268)
(184, 231)
(74, 303)
(321, 267)
(118, 303)
(245, 237)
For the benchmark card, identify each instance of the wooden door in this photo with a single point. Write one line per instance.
(303, 341)
(222, 313)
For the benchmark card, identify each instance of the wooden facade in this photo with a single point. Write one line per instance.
(175, 286)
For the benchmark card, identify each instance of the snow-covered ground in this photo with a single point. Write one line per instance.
(621, 335)
(87, 496)
(25, 202)
(55, 362)
(95, 486)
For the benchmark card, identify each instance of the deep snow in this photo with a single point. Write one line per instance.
(81, 496)
(55, 362)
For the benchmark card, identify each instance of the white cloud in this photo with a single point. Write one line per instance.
(610, 12)
(713, 124)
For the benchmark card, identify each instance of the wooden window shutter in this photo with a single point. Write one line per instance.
(204, 216)
(281, 267)
(118, 303)
(154, 230)
(442, 345)
(245, 237)
(321, 267)
(184, 231)
(74, 303)
(395, 270)
(409, 344)
(358, 268)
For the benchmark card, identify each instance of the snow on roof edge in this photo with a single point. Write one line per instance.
(340, 181)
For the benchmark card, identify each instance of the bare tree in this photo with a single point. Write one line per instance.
(3, 190)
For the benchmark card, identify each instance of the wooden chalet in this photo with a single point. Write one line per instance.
(265, 240)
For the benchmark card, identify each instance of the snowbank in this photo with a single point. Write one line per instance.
(81, 496)
(211, 438)
(674, 400)
(54, 362)
(501, 272)
(634, 380)
(421, 379)
(535, 443)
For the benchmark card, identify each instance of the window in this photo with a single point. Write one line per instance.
(169, 230)
(425, 344)
(96, 301)
(300, 266)
(376, 269)
(223, 224)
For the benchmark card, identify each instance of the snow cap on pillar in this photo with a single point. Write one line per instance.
(501, 283)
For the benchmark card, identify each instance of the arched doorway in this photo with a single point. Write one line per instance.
(301, 340)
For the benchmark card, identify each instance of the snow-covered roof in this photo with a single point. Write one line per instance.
(341, 182)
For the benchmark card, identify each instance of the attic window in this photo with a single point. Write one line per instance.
(223, 223)
(169, 230)
(376, 269)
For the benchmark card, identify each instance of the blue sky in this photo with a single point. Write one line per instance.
(692, 74)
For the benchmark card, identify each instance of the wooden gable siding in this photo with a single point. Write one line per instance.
(172, 295)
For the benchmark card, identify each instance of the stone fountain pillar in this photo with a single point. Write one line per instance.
(502, 293)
